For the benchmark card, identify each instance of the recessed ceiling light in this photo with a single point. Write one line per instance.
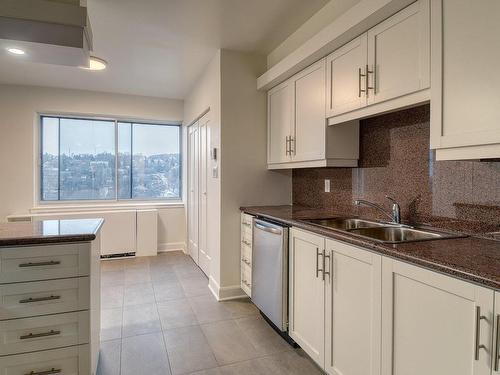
(95, 63)
(16, 51)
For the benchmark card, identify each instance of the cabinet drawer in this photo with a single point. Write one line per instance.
(246, 279)
(43, 332)
(66, 361)
(43, 297)
(43, 262)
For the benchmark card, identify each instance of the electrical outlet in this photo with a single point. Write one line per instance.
(327, 186)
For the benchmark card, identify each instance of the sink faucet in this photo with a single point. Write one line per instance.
(394, 214)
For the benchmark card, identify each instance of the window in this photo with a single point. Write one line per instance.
(93, 159)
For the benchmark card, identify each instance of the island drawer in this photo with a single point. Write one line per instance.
(73, 360)
(44, 262)
(35, 298)
(43, 332)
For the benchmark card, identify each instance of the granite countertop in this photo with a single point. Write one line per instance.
(49, 231)
(470, 258)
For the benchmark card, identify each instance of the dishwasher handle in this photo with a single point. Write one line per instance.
(266, 228)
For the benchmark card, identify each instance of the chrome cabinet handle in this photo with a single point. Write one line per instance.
(38, 264)
(478, 345)
(292, 141)
(497, 342)
(360, 76)
(39, 299)
(367, 77)
(246, 261)
(318, 270)
(246, 224)
(287, 145)
(325, 256)
(47, 372)
(37, 335)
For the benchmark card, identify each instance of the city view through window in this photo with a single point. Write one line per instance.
(91, 159)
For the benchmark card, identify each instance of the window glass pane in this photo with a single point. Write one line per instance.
(124, 160)
(155, 161)
(87, 152)
(50, 158)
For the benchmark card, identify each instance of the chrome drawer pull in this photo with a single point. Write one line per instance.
(245, 242)
(47, 372)
(38, 264)
(478, 345)
(497, 350)
(31, 300)
(36, 335)
(247, 262)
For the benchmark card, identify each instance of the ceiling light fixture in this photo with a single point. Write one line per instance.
(16, 51)
(95, 63)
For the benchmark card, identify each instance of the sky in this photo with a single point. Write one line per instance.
(95, 136)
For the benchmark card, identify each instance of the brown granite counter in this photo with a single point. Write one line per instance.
(49, 231)
(471, 258)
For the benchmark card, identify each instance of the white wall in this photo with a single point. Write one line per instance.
(19, 106)
(312, 26)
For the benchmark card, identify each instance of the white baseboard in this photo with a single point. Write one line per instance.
(171, 246)
(225, 293)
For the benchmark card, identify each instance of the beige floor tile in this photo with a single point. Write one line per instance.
(144, 354)
(137, 276)
(188, 350)
(265, 340)
(168, 291)
(109, 358)
(140, 319)
(240, 307)
(162, 273)
(207, 309)
(176, 313)
(108, 265)
(112, 296)
(294, 362)
(187, 270)
(138, 294)
(112, 278)
(228, 342)
(195, 286)
(111, 324)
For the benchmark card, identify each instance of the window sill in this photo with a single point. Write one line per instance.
(48, 208)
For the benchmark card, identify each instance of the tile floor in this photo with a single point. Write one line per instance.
(159, 318)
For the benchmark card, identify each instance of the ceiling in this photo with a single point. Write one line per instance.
(160, 47)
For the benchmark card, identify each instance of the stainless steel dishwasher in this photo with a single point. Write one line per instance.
(270, 271)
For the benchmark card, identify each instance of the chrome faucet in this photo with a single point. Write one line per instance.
(394, 214)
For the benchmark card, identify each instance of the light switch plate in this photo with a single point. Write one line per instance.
(327, 186)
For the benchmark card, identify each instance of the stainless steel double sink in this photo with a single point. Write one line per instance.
(382, 232)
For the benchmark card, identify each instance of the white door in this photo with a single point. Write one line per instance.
(308, 141)
(430, 324)
(280, 102)
(306, 293)
(193, 185)
(204, 255)
(399, 54)
(496, 344)
(346, 77)
(465, 96)
(353, 310)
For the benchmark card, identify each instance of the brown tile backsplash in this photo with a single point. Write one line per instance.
(395, 159)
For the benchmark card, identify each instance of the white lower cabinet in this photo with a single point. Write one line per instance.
(353, 310)
(307, 293)
(496, 344)
(434, 324)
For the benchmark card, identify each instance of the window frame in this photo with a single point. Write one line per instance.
(38, 175)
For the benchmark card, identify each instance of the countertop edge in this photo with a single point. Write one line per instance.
(380, 248)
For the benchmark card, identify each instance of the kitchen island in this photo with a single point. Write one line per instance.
(50, 297)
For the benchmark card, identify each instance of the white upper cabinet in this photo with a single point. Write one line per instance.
(280, 108)
(465, 100)
(308, 140)
(434, 324)
(346, 83)
(382, 70)
(399, 54)
(353, 310)
(297, 133)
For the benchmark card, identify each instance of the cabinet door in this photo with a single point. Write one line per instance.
(399, 54)
(496, 343)
(306, 288)
(465, 116)
(280, 101)
(429, 323)
(345, 81)
(308, 141)
(353, 311)
(204, 256)
(193, 184)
